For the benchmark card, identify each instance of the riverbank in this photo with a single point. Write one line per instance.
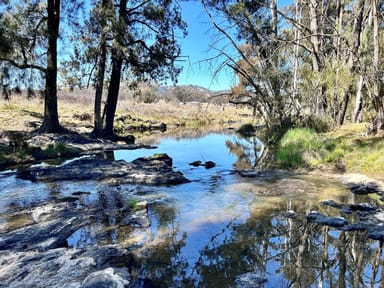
(346, 149)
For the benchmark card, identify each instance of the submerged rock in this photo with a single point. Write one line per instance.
(196, 163)
(207, 164)
(319, 218)
(156, 170)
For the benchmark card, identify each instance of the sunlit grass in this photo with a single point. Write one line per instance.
(296, 147)
(345, 149)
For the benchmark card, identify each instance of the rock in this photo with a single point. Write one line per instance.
(376, 235)
(137, 219)
(106, 278)
(156, 170)
(363, 189)
(366, 207)
(50, 232)
(291, 214)
(209, 164)
(196, 163)
(145, 161)
(321, 219)
(361, 184)
(354, 227)
(331, 203)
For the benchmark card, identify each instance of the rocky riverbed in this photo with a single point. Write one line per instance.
(64, 241)
(370, 216)
(50, 244)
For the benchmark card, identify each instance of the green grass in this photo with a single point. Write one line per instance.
(343, 149)
(297, 147)
(59, 150)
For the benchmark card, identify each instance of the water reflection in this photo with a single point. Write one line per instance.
(221, 228)
(250, 152)
(284, 252)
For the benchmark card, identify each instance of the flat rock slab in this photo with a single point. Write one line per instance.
(361, 184)
(150, 170)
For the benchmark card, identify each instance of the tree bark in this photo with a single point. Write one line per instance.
(353, 57)
(113, 94)
(356, 117)
(321, 102)
(114, 84)
(51, 116)
(378, 122)
(295, 84)
(99, 85)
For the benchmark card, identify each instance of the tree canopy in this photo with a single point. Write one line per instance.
(306, 61)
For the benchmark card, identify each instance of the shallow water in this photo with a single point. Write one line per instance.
(220, 230)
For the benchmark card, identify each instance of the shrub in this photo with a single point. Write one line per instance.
(59, 150)
(246, 129)
(319, 124)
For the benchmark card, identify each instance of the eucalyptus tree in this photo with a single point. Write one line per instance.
(261, 59)
(377, 122)
(129, 41)
(31, 31)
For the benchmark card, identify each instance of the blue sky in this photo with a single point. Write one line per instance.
(195, 47)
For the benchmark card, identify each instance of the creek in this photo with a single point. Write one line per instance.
(223, 229)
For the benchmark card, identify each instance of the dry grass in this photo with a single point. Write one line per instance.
(22, 114)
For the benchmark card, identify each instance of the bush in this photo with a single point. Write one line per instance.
(297, 146)
(319, 124)
(59, 150)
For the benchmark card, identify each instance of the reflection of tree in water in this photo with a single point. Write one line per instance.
(292, 253)
(250, 152)
(161, 260)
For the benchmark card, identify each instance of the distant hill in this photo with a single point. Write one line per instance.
(190, 93)
(151, 93)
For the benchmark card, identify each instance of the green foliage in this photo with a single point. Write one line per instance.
(135, 205)
(317, 123)
(296, 147)
(59, 150)
(246, 129)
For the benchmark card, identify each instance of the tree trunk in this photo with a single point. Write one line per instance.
(114, 84)
(99, 86)
(353, 57)
(378, 121)
(295, 84)
(113, 94)
(343, 108)
(321, 102)
(356, 117)
(51, 116)
(273, 7)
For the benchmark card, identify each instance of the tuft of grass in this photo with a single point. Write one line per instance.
(297, 147)
(135, 205)
(59, 150)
